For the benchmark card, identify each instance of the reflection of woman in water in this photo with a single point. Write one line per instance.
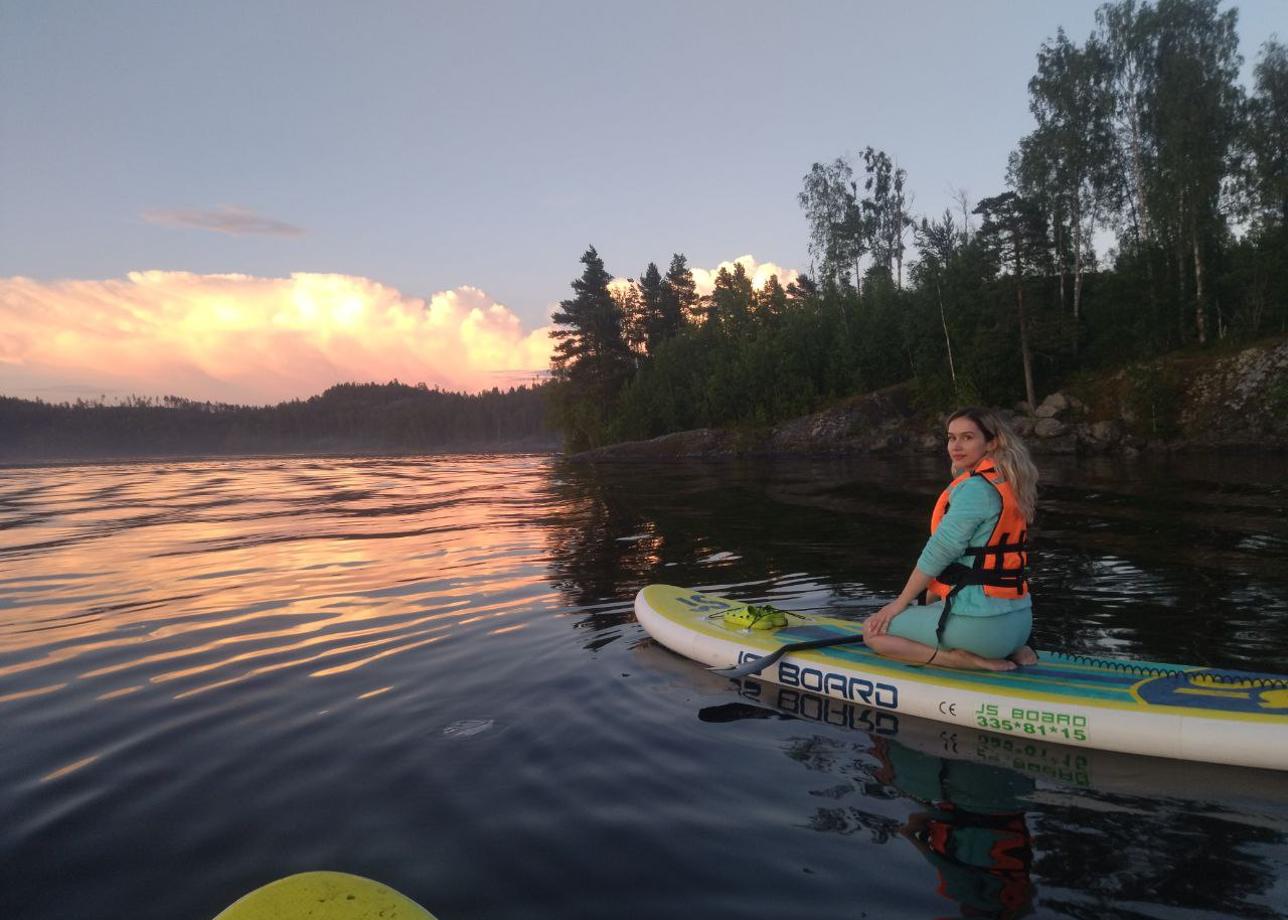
(973, 829)
(975, 562)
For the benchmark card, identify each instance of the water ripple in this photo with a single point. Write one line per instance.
(421, 669)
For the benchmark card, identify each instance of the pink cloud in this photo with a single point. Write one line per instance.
(240, 338)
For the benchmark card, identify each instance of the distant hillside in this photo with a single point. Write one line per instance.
(364, 418)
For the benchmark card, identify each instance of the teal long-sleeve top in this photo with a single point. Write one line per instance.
(973, 510)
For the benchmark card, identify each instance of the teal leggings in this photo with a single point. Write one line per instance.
(993, 636)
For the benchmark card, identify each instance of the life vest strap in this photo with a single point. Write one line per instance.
(959, 576)
(943, 615)
(996, 549)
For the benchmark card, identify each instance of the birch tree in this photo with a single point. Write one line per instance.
(837, 233)
(1067, 158)
(885, 211)
(1193, 115)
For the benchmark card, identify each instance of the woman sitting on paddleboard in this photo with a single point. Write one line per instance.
(975, 561)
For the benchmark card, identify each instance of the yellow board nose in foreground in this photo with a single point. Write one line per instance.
(325, 896)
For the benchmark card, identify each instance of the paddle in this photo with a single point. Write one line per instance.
(756, 665)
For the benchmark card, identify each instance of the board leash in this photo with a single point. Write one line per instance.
(1180, 674)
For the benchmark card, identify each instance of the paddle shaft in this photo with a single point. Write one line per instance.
(756, 665)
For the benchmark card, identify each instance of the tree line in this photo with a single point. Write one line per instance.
(350, 416)
(1142, 135)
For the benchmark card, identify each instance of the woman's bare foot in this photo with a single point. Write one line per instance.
(996, 664)
(1024, 656)
(960, 658)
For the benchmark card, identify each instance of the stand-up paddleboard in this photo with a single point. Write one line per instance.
(1137, 707)
(325, 896)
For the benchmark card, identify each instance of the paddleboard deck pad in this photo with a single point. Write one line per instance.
(1137, 707)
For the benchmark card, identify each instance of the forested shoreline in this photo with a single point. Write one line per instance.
(361, 418)
(1141, 133)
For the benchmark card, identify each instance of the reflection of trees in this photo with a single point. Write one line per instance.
(601, 541)
(726, 522)
(1153, 851)
(1135, 558)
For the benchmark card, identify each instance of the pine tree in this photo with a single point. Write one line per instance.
(732, 300)
(679, 296)
(630, 304)
(771, 300)
(590, 347)
(592, 359)
(652, 295)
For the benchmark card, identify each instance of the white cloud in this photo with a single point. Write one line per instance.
(240, 338)
(759, 272)
(704, 279)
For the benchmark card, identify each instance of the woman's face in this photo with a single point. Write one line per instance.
(966, 444)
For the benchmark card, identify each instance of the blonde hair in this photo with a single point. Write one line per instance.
(1009, 455)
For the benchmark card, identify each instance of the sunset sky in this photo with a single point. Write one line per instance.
(250, 201)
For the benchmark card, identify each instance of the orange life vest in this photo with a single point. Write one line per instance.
(1001, 565)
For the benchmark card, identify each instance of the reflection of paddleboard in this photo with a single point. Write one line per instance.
(1138, 707)
(1057, 765)
(325, 896)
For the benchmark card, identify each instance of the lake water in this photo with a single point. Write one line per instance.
(427, 671)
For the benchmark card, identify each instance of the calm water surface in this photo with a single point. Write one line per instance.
(427, 670)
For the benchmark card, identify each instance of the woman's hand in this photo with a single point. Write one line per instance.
(879, 623)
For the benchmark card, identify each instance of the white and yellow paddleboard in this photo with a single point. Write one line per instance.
(1137, 707)
(325, 896)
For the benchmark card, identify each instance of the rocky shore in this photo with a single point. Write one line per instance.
(1187, 402)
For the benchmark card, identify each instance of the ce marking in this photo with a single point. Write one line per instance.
(947, 709)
